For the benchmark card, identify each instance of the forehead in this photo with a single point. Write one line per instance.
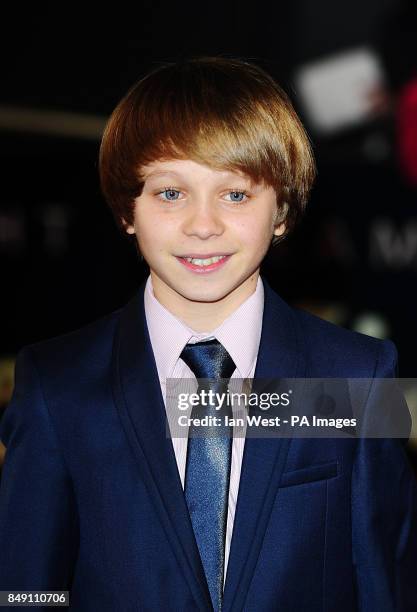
(188, 169)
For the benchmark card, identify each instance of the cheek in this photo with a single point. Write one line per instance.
(145, 224)
(256, 230)
(155, 234)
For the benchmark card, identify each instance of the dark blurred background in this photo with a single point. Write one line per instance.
(350, 68)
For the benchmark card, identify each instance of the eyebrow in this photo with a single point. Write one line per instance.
(164, 173)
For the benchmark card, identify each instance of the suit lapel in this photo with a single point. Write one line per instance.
(142, 411)
(280, 356)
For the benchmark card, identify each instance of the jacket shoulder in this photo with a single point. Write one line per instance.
(349, 353)
(86, 348)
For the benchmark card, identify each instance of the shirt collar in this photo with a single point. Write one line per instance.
(240, 333)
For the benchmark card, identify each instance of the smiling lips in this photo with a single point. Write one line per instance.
(205, 264)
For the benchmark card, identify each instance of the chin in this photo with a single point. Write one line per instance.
(207, 294)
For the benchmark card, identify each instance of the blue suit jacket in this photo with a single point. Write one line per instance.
(91, 499)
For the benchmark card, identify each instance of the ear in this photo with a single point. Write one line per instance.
(129, 229)
(280, 226)
(280, 229)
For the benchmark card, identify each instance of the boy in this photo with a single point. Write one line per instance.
(204, 162)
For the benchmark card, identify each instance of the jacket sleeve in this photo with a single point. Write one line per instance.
(38, 516)
(384, 515)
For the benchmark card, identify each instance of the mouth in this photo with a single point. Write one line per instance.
(203, 263)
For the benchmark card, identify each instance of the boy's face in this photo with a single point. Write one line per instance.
(188, 210)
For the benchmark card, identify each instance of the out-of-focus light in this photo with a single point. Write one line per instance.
(334, 312)
(407, 130)
(12, 231)
(7, 365)
(54, 123)
(341, 91)
(372, 324)
(55, 219)
(376, 147)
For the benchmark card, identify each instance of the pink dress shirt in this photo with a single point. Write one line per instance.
(240, 334)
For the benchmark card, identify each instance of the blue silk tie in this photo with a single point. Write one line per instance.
(207, 473)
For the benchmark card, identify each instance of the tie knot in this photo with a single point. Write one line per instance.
(208, 360)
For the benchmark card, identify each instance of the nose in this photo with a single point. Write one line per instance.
(203, 221)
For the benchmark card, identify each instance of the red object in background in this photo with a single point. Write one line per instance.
(407, 130)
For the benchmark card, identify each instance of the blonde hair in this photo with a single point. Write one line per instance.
(225, 113)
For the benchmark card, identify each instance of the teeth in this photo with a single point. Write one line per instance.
(205, 262)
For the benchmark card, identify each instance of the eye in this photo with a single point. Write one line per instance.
(237, 195)
(169, 194)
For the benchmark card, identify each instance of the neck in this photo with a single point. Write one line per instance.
(203, 316)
